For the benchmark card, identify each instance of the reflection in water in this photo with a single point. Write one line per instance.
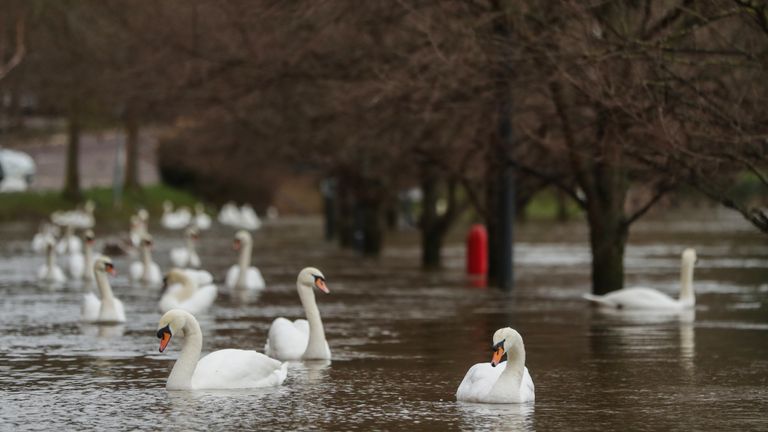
(105, 331)
(317, 370)
(491, 417)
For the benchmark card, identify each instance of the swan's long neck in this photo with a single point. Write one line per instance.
(49, 261)
(181, 374)
(512, 377)
(146, 259)
(244, 262)
(316, 345)
(68, 233)
(88, 273)
(686, 284)
(104, 288)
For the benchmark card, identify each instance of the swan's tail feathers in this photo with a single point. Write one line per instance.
(282, 373)
(596, 299)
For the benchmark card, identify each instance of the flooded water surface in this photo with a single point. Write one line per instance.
(402, 339)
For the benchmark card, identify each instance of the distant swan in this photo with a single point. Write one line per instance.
(641, 298)
(223, 369)
(244, 276)
(301, 339)
(190, 290)
(146, 271)
(178, 219)
(187, 256)
(108, 309)
(494, 382)
(50, 272)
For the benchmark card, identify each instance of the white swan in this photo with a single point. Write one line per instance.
(244, 217)
(50, 272)
(224, 369)
(191, 291)
(40, 239)
(243, 276)
(108, 309)
(69, 242)
(494, 382)
(301, 339)
(79, 218)
(80, 265)
(175, 219)
(641, 298)
(202, 220)
(146, 271)
(187, 256)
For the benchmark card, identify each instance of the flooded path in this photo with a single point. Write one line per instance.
(402, 339)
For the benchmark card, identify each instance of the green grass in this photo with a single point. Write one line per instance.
(543, 206)
(39, 205)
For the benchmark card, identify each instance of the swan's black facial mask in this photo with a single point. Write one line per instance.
(498, 353)
(164, 334)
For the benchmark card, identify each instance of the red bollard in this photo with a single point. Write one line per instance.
(477, 255)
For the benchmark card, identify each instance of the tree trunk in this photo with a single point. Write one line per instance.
(132, 154)
(72, 176)
(492, 194)
(607, 238)
(346, 214)
(373, 226)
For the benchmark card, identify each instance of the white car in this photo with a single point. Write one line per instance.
(17, 170)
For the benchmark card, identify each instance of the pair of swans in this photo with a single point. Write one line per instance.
(497, 381)
(244, 217)
(190, 290)
(80, 265)
(177, 219)
(640, 298)
(243, 276)
(187, 256)
(105, 310)
(146, 271)
(235, 368)
(79, 218)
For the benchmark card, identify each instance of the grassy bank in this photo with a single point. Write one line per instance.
(39, 205)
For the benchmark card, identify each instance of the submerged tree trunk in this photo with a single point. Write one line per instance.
(72, 175)
(132, 154)
(607, 238)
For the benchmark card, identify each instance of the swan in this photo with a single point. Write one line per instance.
(89, 238)
(80, 218)
(229, 214)
(301, 339)
(187, 256)
(109, 309)
(191, 291)
(40, 239)
(640, 298)
(69, 243)
(244, 217)
(146, 271)
(50, 272)
(510, 382)
(242, 275)
(202, 220)
(223, 369)
(175, 219)
(249, 219)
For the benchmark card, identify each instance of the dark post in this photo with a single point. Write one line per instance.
(506, 197)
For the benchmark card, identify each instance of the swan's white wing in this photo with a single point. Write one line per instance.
(287, 340)
(155, 276)
(119, 311)
(58, 274)
(232, 274)
(179, 257)
(76, 266)
(137, 269)
(89, 309)
(201, 301)
(200, 277)
(527, 389)
(478, 382)
(39, 241)
(234, 368)
(203, 221)
(636, 298)
(253, 279)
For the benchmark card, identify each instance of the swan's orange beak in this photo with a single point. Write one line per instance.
(165, 337)
(110, 269)
(320, 284)
(497, 355)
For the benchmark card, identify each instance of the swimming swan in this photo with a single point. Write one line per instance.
(494, 382)
(108, 309)
(187, 256)
(191, 291)
(146, 271)
(641, 298)
(301, 339)
(243, 275)
(223, 369)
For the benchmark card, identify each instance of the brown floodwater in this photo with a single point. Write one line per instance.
(402, 339)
